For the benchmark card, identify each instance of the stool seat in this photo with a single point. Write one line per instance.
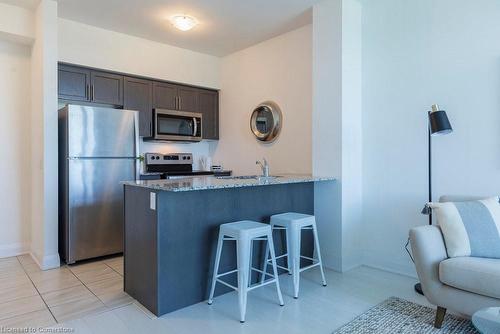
(292, 218)
(245, 228)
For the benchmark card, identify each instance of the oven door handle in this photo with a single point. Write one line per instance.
(195, 130)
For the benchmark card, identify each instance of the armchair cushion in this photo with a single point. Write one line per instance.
(470, 228)
(473, 274)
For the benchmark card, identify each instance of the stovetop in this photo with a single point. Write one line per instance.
(167, 175)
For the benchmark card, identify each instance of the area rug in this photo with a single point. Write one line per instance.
(401, 316)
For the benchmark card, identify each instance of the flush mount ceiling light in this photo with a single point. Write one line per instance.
(184, 22)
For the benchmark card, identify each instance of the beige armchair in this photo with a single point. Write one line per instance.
(462, 284)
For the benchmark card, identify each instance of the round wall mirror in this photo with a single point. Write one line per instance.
(266, 120)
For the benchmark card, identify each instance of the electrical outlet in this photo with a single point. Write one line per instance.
(152, 201)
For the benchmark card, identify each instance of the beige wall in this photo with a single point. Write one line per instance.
(15, 149)
(16, 24)
(44, 152)
(87, 45)
(279, 70)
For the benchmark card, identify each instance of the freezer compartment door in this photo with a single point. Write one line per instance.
(96, 206)
(101, 132)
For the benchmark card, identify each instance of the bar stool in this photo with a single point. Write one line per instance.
(244, 233)
(293, 224)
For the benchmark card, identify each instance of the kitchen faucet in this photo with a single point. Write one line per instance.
(264, 166)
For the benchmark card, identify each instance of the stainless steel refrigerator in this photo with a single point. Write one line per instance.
(98, 148)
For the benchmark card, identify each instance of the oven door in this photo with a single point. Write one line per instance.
(172, 125)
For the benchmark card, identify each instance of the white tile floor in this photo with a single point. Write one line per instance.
(31, 297)
(318, 309)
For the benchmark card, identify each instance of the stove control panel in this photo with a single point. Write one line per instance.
(168, 159)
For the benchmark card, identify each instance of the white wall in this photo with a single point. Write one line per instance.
(416, 53)
(91, 46)
(278, 69)
(352, 134)
(15, 198)
(337, 144)
(327, 127)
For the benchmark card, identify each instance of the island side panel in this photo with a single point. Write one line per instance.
(188, 225)
(140, 248)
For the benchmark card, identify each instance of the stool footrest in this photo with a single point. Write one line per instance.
(281, 267)
(309, 267)
(227, 284)
(227, 273)
(262, 272)
(258, 285)
(277, 258)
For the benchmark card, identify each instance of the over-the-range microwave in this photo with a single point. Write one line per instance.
(173, 125)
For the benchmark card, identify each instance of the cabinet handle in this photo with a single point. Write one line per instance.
(87, 92)
(93, 92)
(180, 103)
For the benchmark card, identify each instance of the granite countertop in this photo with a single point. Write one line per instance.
(210, 182)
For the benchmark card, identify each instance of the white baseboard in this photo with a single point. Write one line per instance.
(390, 266)
(47, 262)
(14, 249)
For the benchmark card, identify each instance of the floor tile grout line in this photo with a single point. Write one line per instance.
(86, 287)
(39, 294)
(106, 309)
(92, 292)
(116, 271)
(109, 308)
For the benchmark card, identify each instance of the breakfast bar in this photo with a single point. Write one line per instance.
(171, 231)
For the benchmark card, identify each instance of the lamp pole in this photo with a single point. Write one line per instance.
(438, 124)
(429, 142)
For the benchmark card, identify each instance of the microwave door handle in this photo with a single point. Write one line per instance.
(195, 130)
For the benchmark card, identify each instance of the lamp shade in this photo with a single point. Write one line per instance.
(439, 123)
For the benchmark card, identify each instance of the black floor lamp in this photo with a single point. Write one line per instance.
(438, 125)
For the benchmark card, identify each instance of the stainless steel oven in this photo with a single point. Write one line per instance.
(173, 125)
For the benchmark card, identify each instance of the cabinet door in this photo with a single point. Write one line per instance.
(138, 95)
(164, 96)
(188, 99)
(107, 88)
(73, 83)
(209, 107)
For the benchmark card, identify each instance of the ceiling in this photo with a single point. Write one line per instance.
(225, 26)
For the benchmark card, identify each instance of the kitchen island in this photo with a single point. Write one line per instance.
(171, 229)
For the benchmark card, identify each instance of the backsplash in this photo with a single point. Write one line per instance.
(201, 149)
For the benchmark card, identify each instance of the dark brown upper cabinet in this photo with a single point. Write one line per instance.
(188, 99)
(165, 96)
(209, 107)
(175, 97)
(138, 95)
(73, 83)
(81, 84)
(106, 88)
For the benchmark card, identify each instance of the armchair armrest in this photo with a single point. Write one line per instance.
(428, 250)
